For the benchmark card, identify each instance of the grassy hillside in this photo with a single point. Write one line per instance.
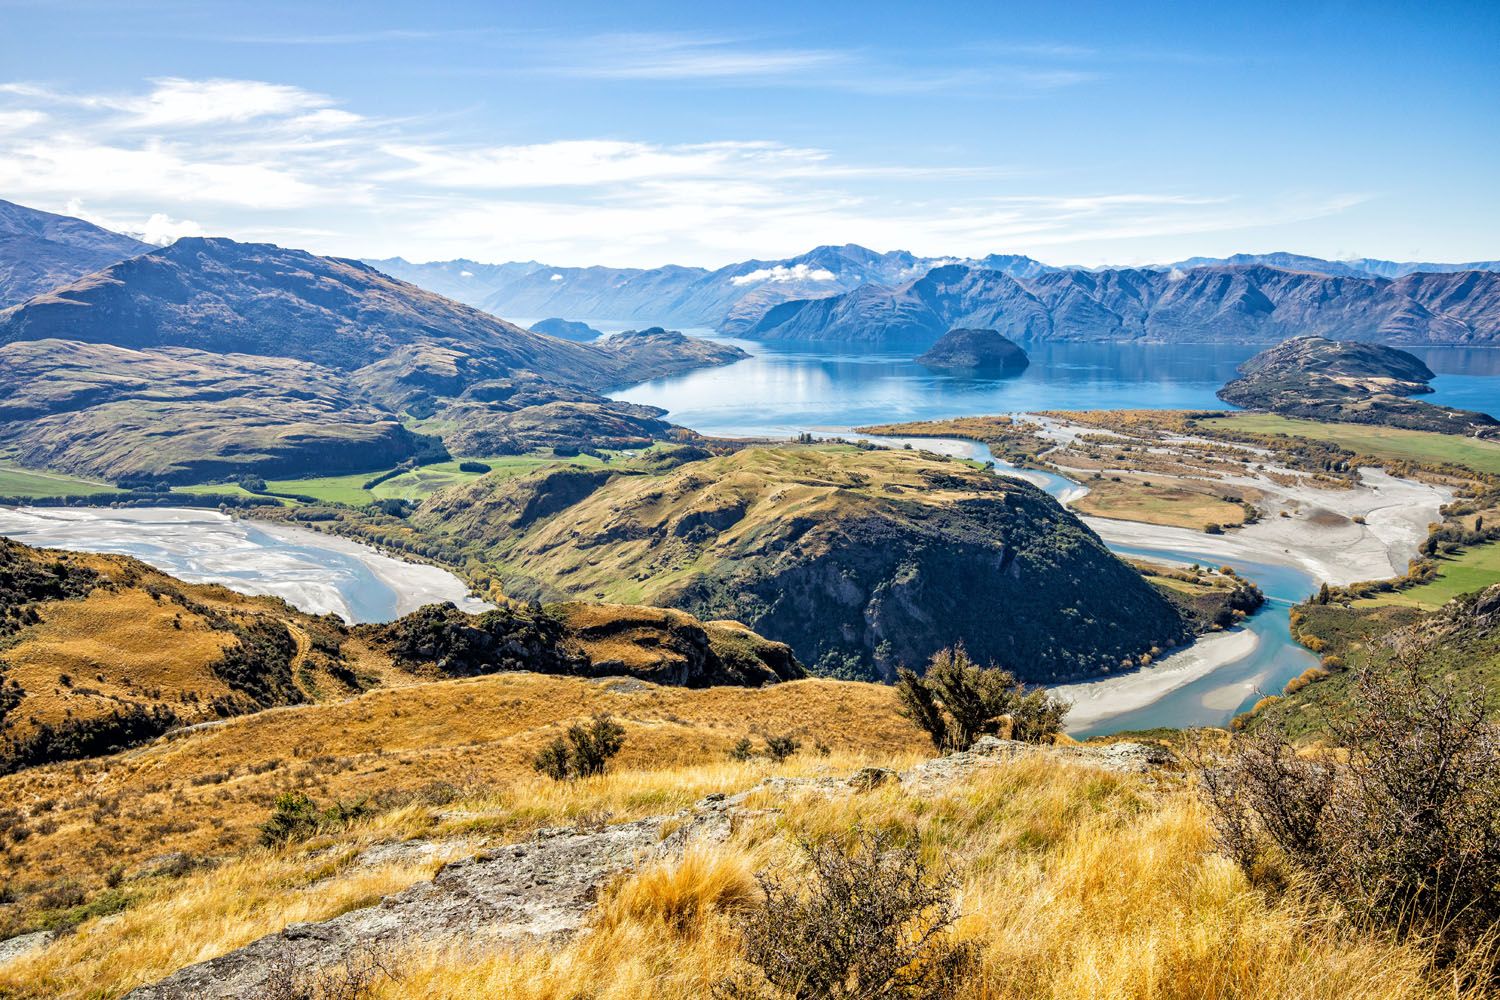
(99, 653)
(30, 483)
(204, 793)
(180, 416)
(1073, 881)
(1460, 641)
(861, 560)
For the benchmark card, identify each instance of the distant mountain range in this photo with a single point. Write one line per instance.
(1247, 304)
(39, 250)
(862, 294)
(682, 296)
(847, 293)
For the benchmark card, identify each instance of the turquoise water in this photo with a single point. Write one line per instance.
(785, 389)
(788, 388)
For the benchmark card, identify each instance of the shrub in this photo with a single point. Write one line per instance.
(956, 701)
(295, 816)
(865, 921)
(584, 751)
(1402, 828)
(742, 750)
(473, 467)
(779, 748)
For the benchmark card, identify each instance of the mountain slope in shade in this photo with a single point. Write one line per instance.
(270, 361)
(1235, 304)
(178, 415)
(39, 250)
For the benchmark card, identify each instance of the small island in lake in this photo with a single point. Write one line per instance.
(977, 350)
(1347, 381)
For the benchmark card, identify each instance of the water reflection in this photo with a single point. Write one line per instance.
(788, 387)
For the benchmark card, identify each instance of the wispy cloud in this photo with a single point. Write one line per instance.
(260, 160)
(685, 57)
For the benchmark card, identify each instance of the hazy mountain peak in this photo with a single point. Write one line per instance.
(41, 250)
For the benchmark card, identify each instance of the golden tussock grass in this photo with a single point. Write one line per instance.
(204, 793)
(1073, 884)
(204, 914)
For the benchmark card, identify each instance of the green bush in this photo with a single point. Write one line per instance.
(956, 701)
(584, 751)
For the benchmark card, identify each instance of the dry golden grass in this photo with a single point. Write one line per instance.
(86, 656)
(205, 793)
(195, 917)
(1074, 883)
(1178, 503)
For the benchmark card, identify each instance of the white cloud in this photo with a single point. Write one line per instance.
(555, 277)
(161, 229)
(15, 121)
(781, 274)
(686, 57)
(265, 161)
(178, 103)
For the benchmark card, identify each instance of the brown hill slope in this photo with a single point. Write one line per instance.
(203, 793)
(860, 560)
(374, 347)
(39, 250)
(180, 415)
(98, 653)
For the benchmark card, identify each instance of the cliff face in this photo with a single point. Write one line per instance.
(1247, 304)
(860, 561)
(1360, 383)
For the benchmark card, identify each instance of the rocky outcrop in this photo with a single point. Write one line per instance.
(859, 561)
(658, 645)
(542, 891)
(566, 329)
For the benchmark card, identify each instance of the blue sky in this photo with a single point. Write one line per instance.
(642, 134)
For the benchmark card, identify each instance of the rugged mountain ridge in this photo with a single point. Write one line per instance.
(735, 298)
(1356, 267)
(40, 250)
(1241, 304)
(274, 361)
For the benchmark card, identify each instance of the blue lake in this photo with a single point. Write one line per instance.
(788, 388)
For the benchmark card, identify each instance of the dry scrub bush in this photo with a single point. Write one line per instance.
(864, 921)
(584, 752)
(1401, 827)
(956, 701)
